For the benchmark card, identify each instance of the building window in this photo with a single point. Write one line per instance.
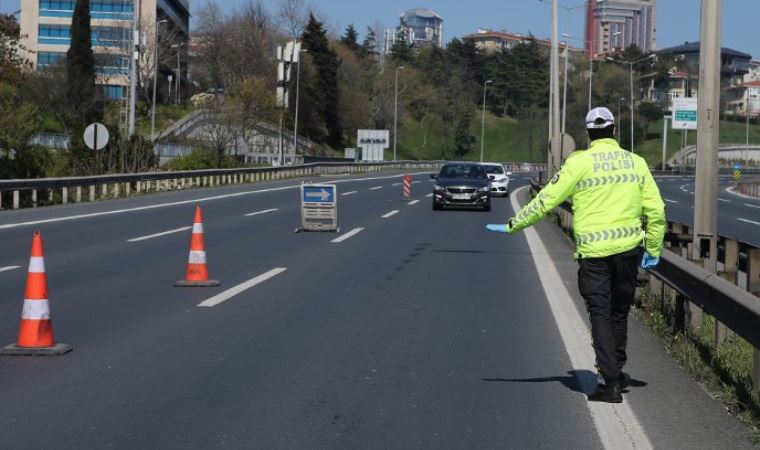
(113, 92)
(54, 34)
(99, 9)
(47, 59)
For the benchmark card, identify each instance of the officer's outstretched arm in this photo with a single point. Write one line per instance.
(654, 209)
(552, 195)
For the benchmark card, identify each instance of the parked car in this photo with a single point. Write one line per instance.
(499, 179)
(462, 185)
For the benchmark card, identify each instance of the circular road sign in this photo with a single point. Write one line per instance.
(96, 136)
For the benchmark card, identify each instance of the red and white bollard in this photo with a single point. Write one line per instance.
(407, 187)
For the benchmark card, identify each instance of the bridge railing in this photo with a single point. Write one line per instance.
(730, 296)
(48, 191)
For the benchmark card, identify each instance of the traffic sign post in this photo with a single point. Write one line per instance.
(96, 136)
(737, 172)
(319, 207)
(685, 113)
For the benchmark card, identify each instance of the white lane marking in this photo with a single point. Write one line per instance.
(748, 205)
(163, 233)
(413, 202)
(669, 200)
(748, 221)
(616, 424)
(348, 193)
(9, 268)
(724, 200)
(235, 290)
(429, 195)
(257, 213)
(396, 184)
(691, 192)
(348, 235)
(375, 188)
(417, 181)
(390, 214)
(177, 203)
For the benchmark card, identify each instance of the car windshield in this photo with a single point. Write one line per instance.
(494, 169)
(468, 171)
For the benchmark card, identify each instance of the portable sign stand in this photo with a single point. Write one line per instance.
(319, 208)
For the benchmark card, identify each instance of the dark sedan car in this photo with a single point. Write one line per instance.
(462, 185)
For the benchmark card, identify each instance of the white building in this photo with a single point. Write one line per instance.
(613, 25)
(418, 27)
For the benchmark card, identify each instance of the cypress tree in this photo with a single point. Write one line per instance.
(325, 87)
(351, 38)
(80, 72)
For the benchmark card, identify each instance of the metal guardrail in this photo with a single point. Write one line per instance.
(115, 185)
(716, 294)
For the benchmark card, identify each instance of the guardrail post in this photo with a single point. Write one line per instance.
(51, 196)
(104, 190)
(64, 195)
(77, 194)
(127, 189)
(92, 193)
(116, 190)
(730, 274)
(15, 200)
(34, 198)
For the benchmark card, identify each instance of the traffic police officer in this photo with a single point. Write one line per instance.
(611, 190)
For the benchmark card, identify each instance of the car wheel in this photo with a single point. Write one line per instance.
(487, 207)
(436, 206)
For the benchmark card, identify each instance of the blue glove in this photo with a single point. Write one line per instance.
(649, 262)
(497, 228)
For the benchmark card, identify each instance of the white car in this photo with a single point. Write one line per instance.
(499, 179)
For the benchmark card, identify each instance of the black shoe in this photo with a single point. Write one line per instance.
(607, 394)
(625, 380)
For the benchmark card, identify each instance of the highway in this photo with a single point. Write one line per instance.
(408, 329)
(738, 216)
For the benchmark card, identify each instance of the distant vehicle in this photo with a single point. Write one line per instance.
(462, 185)
(499, 179)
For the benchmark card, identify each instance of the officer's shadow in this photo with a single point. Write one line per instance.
(582, 381)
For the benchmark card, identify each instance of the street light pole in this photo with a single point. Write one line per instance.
(133, 69)
(395, 114)
(632, 102)
(483, 125)
(749, 112)
(155, 81)
(298, 88)
(554, 159)
(620, 100)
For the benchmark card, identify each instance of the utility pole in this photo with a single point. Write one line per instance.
(395, 114)
(298, 89)
(483, 125)
(155, 80)
(133, 68)
(664, 139)
(705, 245)
(554, 157)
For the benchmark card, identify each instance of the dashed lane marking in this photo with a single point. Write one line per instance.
(9, 268)
(724, 200)
(748, 221)
(749, 205)
(233, 291)
(429, 195)
(348, 235)
(258, 213)
(375, 188)
(413, 202)
(163, 233)
(669, 200)
(396, 184)
(348, 193)
(390, 214)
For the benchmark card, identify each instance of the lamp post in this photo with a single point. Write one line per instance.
(483, 125)
(620, 100)
(630, 66)
(155, 80)
(133, 67)
(395, 114)
(590, 65)
(298, 88)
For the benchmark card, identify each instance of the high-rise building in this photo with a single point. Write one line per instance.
(613, 25)
(418, 27)
(46, 31)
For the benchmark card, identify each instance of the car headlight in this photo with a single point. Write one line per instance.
(437, 187)
(485, 189)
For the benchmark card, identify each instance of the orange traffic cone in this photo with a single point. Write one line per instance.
(197, 272)
(35, 336)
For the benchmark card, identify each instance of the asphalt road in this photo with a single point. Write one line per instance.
(738, 216)
(418, 331)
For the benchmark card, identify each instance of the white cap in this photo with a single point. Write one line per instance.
(600, 117)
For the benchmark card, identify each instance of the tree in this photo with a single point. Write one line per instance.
(351, 38)
(80, 70)
(369, 44)
(13, 65)
(324, 90)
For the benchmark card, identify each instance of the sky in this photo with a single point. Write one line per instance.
(677, 20)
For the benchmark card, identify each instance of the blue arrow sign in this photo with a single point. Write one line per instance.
(319, 194)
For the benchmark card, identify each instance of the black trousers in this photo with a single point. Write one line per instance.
(608, 286)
